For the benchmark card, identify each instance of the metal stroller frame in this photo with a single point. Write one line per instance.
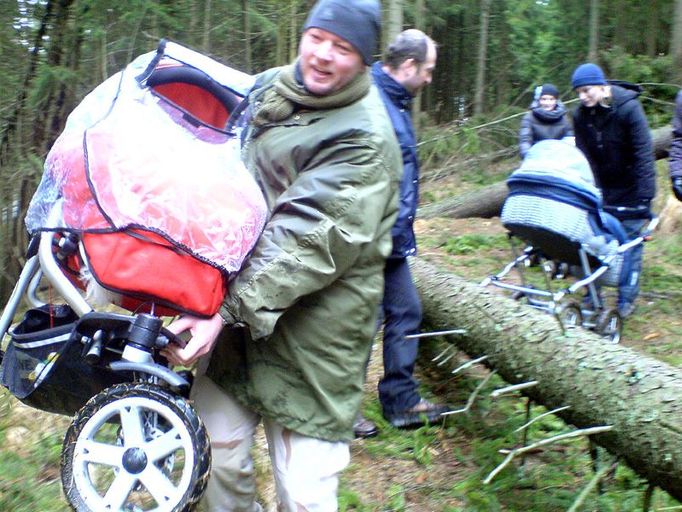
(134, 443)
(557, 254)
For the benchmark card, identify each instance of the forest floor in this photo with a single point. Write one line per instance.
(440, 468)
(437, 468)
(392, 472)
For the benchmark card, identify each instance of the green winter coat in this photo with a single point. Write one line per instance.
(309, 292)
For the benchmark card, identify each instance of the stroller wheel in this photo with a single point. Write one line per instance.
(569, 314)
(135, 447)
(610, 325)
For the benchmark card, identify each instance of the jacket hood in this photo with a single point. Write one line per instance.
(548, 116)
(623, 92)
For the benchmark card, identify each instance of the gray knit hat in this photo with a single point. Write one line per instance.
(356, 21)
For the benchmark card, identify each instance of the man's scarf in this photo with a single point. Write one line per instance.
(280, 100)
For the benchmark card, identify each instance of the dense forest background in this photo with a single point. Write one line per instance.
(491, 55)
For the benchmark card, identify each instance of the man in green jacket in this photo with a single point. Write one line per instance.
(321, 147)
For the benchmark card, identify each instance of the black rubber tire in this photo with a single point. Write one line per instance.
(95, 451)
(610, 325)
(569, 314)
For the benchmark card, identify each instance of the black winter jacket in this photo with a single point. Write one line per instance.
(540, 124)
(676, 145)
(617, 143)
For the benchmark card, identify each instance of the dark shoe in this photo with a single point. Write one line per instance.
(418, 415)
(364, 428)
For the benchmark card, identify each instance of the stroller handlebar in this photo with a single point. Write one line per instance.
(171, 337)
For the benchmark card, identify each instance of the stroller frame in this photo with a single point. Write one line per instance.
(591, 311)
(138, 410)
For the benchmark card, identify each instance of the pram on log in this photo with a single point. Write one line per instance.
(555, 217)
(144, 203)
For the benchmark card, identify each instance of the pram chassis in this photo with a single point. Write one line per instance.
(137, 442)
(590, 314)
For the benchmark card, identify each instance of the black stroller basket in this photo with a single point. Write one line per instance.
(45, 367)
(56, 361)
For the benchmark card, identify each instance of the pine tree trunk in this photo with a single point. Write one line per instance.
(481, 61)
(676, 43)
(394, 20)
(603, 384)
(592, 53)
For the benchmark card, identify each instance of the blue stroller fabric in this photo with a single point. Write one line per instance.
(554, 191)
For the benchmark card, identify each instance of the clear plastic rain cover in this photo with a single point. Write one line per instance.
(128, 158)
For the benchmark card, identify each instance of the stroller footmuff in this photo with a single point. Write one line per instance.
(554, 212)
(144, 203)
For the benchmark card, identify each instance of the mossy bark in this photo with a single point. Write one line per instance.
(603, 384)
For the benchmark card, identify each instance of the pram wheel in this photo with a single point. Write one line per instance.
(610, 325)
(135, 447)
(569, 314)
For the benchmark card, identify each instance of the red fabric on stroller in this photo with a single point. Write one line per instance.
(155, 188)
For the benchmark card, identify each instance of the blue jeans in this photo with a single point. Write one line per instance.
(628, 290)
(402, 315)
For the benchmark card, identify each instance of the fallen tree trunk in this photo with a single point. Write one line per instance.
(603, 384)
(487, 201)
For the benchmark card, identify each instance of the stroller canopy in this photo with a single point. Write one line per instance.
(558, 163)
(149, 149)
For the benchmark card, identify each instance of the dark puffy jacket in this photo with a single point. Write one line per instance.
(617, 143)
(398, 102)
(540, 124)
(676, 145)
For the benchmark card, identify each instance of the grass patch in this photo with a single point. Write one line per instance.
(473, 243)
(29, 462)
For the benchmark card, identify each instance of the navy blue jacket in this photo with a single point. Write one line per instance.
(617, 143)
(398, 103)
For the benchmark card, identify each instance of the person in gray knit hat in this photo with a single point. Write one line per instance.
(289, 346)
(357, 21)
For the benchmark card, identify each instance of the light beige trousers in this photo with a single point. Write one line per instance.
(306, 470)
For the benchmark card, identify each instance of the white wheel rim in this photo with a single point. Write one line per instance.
(571, 318)
(613, 329)
(91, 454)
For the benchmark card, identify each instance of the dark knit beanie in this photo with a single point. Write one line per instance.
(356, 21)
(549, 89)
(587, 74)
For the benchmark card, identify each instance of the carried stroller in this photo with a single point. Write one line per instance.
(144, 203)
(555, 211)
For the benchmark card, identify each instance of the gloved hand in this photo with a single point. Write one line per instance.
(677, 187)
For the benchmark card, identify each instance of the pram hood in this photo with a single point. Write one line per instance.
(557, 163)
(130, 158)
